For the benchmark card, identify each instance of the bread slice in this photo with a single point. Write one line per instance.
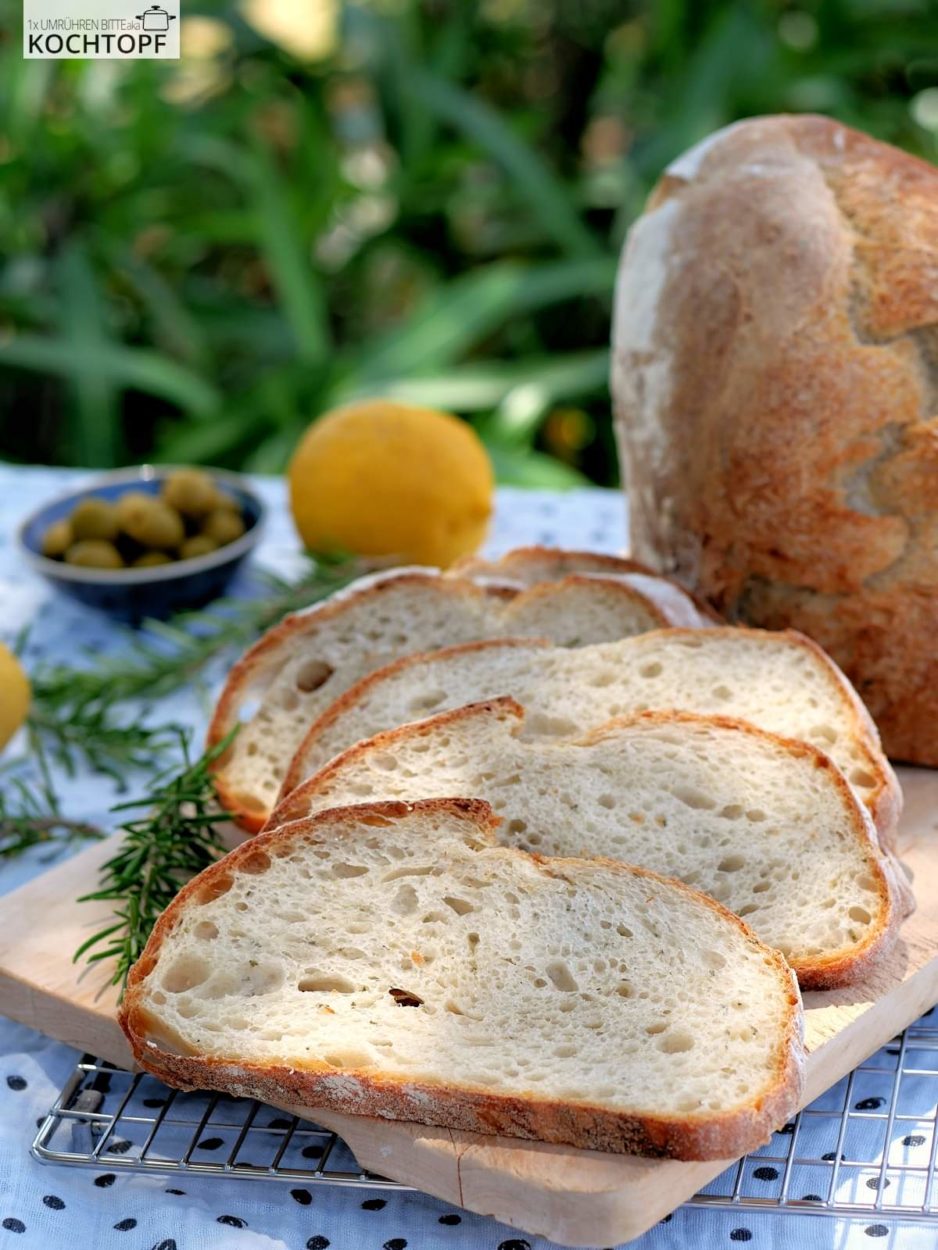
(390, 960)
(297, 669)
(529, 566)
(766, 825)
(781, 682)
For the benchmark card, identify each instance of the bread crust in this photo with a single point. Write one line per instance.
(265, 658)
(819, 972)
(884, 799)
(775, 380)
(460, 1105)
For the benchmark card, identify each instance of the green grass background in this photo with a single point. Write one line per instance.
(416, 199)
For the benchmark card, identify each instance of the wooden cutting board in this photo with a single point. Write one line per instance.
(575, 1197)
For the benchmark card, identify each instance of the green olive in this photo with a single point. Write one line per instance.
(57, 539)
(227, 502)
(197, 545)
(150, 559)
(131, 505)
(191, 492)
(94, 518)
(94, 553)
(223, 525)
(154, 524)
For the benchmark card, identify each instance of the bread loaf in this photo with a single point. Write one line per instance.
(390, 960)
(779, 682)
(767, 826)
(775, 379)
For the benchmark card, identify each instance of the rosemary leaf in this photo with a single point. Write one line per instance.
(158, 853)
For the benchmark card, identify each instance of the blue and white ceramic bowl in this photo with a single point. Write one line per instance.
(134, 594)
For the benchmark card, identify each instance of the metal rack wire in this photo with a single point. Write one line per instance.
(866, 1147)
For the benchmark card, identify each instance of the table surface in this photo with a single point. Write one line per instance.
(46, 1207)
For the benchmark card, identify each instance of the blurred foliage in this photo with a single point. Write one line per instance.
(418, 199)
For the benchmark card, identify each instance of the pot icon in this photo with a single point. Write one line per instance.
(156, 18)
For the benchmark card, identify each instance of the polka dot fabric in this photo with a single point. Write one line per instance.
(53, 1208)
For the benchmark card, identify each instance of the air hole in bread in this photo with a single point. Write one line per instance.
(405, 998)
(184, 974)
(731, 863)
(550, 726)
(561, 976)
(348, 1059)
(825, 732)
(404, 901)
(459, 905)
(344, 870)
(860, 777)
(658, 1026)
(213, 888)
(713, 959)
(761, 886)
(255, 863)
(325, 983)
(313, 674)
(289, 700)
(747, 909)
(565, 1052)
(625, 989)
(206, 930)
(755, 814)
(695, 799)
(723, 693)
(606, 800)
(420, 870)
(676, 1042)
(860, 914)
(651, 670)
(384, 761)
(623, 930)
(427, 701)
(732, 811)
(603, 678)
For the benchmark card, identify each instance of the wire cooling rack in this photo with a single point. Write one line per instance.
(868, 1146)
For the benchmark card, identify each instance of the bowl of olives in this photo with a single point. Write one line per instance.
(147, 541)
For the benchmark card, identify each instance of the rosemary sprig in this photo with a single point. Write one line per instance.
(76, 711)
(159, 852)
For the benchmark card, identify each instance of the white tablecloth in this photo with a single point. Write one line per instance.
(43, 1207)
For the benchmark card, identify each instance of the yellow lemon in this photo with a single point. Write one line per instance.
(14, 695)
(382, 478)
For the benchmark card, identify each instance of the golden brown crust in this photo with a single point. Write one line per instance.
(776, 391)
(819, 972)
(457, 1105)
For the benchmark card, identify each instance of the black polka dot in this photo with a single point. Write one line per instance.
(211, 1143)
(913, 1139)
(873, 1183)
(317, 1243)
(740, 1234)
(876, 1230)
(13, 1225)
(302, 1196)
(119, 1147)
(40, 1121)
(232, 1221)
(311, 1152)
(102, 1182)
(124, 1226)
(16, 1082)
(811, 1198)
(831, 1156)
(396, 1243)
(154, 1102)
(766, 1174)
(53, 1202)
(179, 1192)
(167, 1244)
(373, 1204)
(452, 1218)
(666, 1219)
(869, 1104)
(514, 1243)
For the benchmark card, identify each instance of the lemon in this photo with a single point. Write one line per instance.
(14, 695)
(383, 478)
